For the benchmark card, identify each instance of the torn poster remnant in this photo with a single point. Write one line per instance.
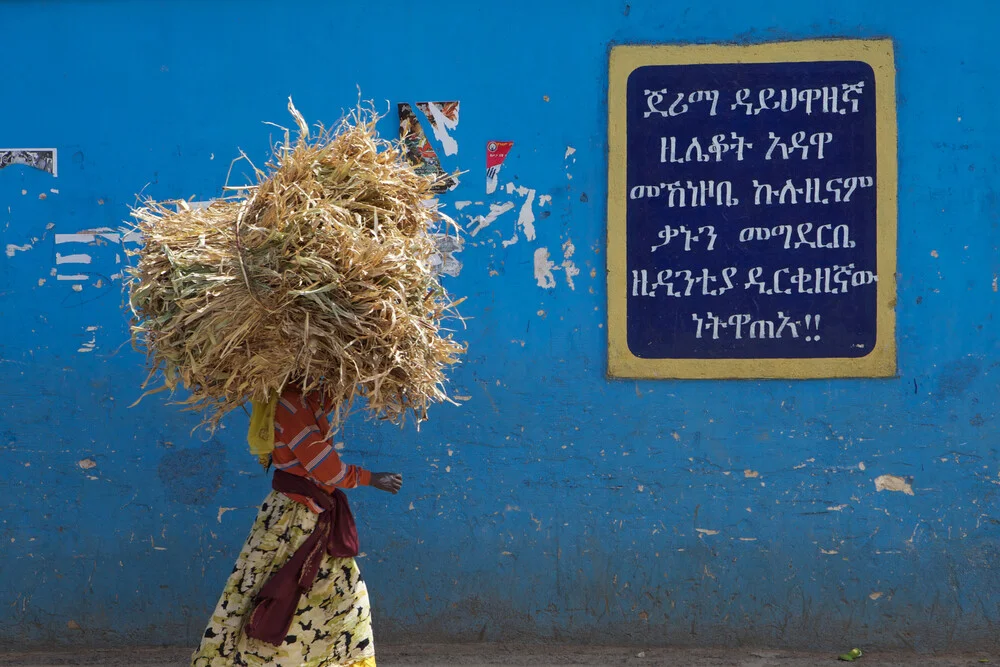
(496, 153)
(99, 236)
(418, 151)
(894, 483)
(90, 345)
(569, 267)
(481, 222)
(444, 261)
(526, 218)
(44, 159)
(12, 248)
(78, 258)
(543, 269)
(442, 116)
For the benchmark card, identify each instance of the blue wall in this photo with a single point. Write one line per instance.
(556, 503)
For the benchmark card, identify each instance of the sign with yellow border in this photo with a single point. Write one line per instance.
(752, 210)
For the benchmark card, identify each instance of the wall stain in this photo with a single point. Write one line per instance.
(193, 476)
(956, 378)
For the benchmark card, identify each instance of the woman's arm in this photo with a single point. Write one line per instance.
(321, 461)
(298, 422)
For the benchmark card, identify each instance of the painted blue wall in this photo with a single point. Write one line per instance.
(556, 503)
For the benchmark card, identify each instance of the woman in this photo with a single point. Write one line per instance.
(296, 596)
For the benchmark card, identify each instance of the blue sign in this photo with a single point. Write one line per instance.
(751, 211)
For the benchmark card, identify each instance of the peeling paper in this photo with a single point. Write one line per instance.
(75, 238)
(544, 266)
(418, 150)
(223, 510)
(893, 483)
(72, 259)
(543, 269)
(496, 154)
(12, 249)
(444, 261)
(569, 152)
(91, 344)
(496, 210)
(91, 236)
(443, 116)
(569, 267)
(526, 218)
(43, 159)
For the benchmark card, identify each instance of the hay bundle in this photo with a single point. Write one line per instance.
(319, 276)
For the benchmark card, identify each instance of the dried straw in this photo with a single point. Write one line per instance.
(318, 276)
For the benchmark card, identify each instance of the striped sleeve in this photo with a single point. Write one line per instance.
(323, 464)
(307, 442)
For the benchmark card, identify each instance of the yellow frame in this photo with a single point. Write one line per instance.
(881, 361)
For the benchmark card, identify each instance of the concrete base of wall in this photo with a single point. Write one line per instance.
(481, 655)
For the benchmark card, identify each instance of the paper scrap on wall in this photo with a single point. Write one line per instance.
(44, 159)
(444, 260)
(419, 152)
(496, 153)
(442, 116)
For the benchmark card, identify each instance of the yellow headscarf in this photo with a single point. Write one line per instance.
(260, 436)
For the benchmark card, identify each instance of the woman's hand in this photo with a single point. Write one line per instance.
(387, 481)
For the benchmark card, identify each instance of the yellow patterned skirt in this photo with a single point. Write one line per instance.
(332, 625)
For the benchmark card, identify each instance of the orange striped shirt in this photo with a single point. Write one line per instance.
(302, 446)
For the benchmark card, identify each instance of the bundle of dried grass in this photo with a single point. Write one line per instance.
(318, 276)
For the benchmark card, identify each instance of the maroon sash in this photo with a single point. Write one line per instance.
(335, 534)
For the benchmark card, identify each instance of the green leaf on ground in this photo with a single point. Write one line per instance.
(851, 655)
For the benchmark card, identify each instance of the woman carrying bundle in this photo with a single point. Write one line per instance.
(296, 596)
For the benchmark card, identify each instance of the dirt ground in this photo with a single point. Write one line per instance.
(480, 655)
